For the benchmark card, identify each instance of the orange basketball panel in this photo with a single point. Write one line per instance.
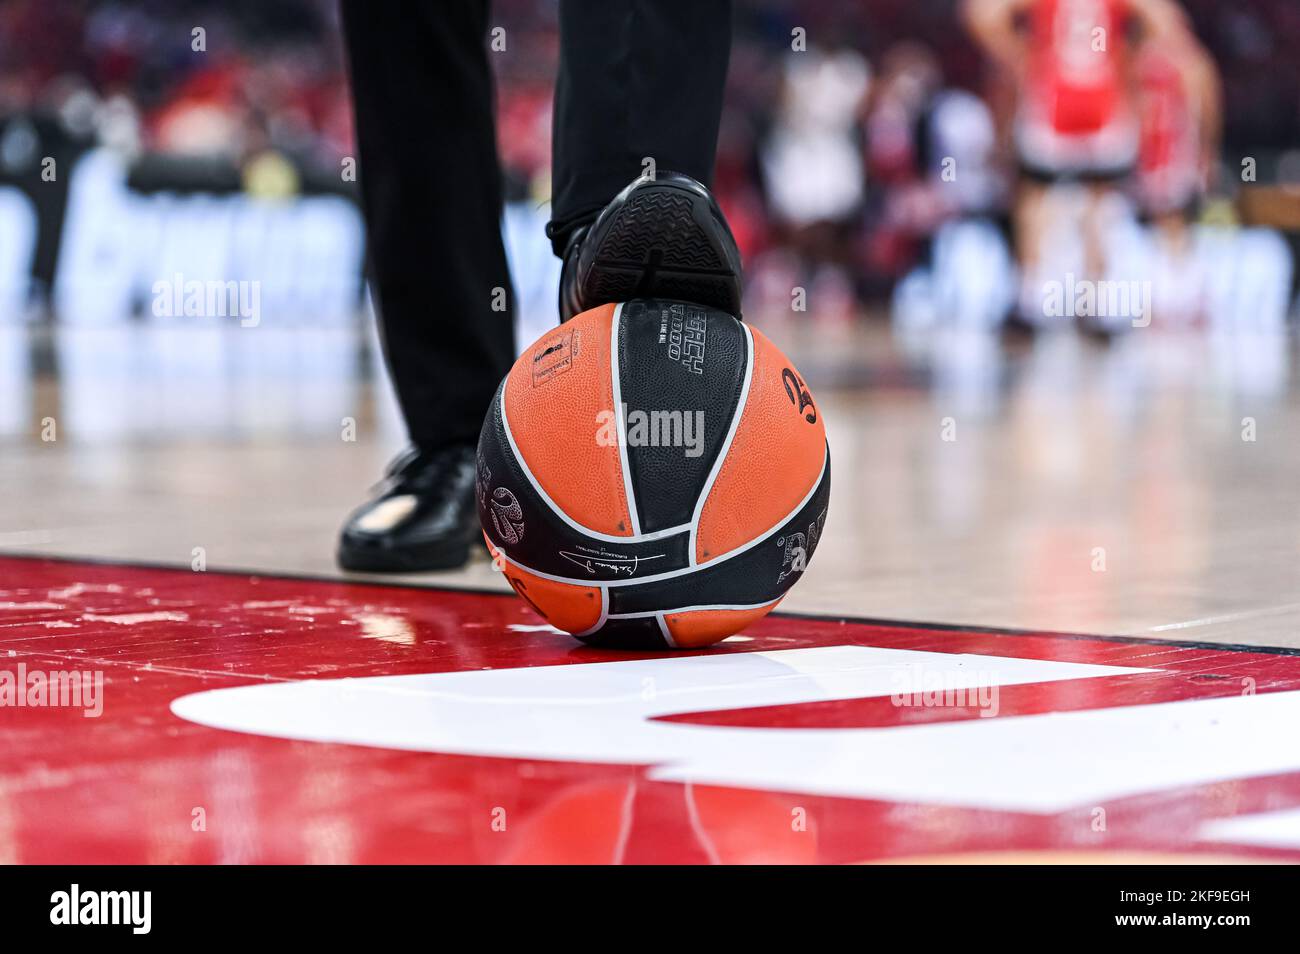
(559, 401)
(565, 606)
(774, 459)
(692, 629)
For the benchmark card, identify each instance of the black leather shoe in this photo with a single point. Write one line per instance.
(424, 517)
(659, 238)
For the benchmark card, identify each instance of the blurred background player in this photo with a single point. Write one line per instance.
(1076, 115)
(639, 90)
(1180, 103)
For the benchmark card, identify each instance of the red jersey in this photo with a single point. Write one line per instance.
(1075, 82)
(1169, 144)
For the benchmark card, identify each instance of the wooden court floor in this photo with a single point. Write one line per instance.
(1108, 533)
(1144, 488)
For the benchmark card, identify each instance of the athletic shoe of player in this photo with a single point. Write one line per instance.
(661, 237)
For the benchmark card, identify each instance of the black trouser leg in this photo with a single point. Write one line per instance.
(431, 191)
(638, 79)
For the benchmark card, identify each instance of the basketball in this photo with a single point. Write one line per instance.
(653, 473)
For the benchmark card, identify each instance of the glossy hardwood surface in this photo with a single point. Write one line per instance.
(1148, 486)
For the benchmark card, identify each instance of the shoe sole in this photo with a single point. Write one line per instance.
(664, 241)
(444, 555)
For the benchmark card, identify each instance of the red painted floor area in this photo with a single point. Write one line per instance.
(137, 784)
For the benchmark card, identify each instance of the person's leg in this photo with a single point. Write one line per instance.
(640, 92)
(638, 79)
(1097, 222)
(431, 192)
(1029, 224)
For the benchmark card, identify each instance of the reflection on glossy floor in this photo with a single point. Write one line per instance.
(242, 719)
(1143, 493)
(1144, 488)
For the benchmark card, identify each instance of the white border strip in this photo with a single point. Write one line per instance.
(625, 817)
(697, 827)
(668, 575)
(604, 612)
(726, 444)
(621, 422)
(546, 498)
(663, 629)
(691, 609)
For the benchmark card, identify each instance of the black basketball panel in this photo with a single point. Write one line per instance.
(521, 523)
(641, 632)
(681, 369)
(758, 575)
